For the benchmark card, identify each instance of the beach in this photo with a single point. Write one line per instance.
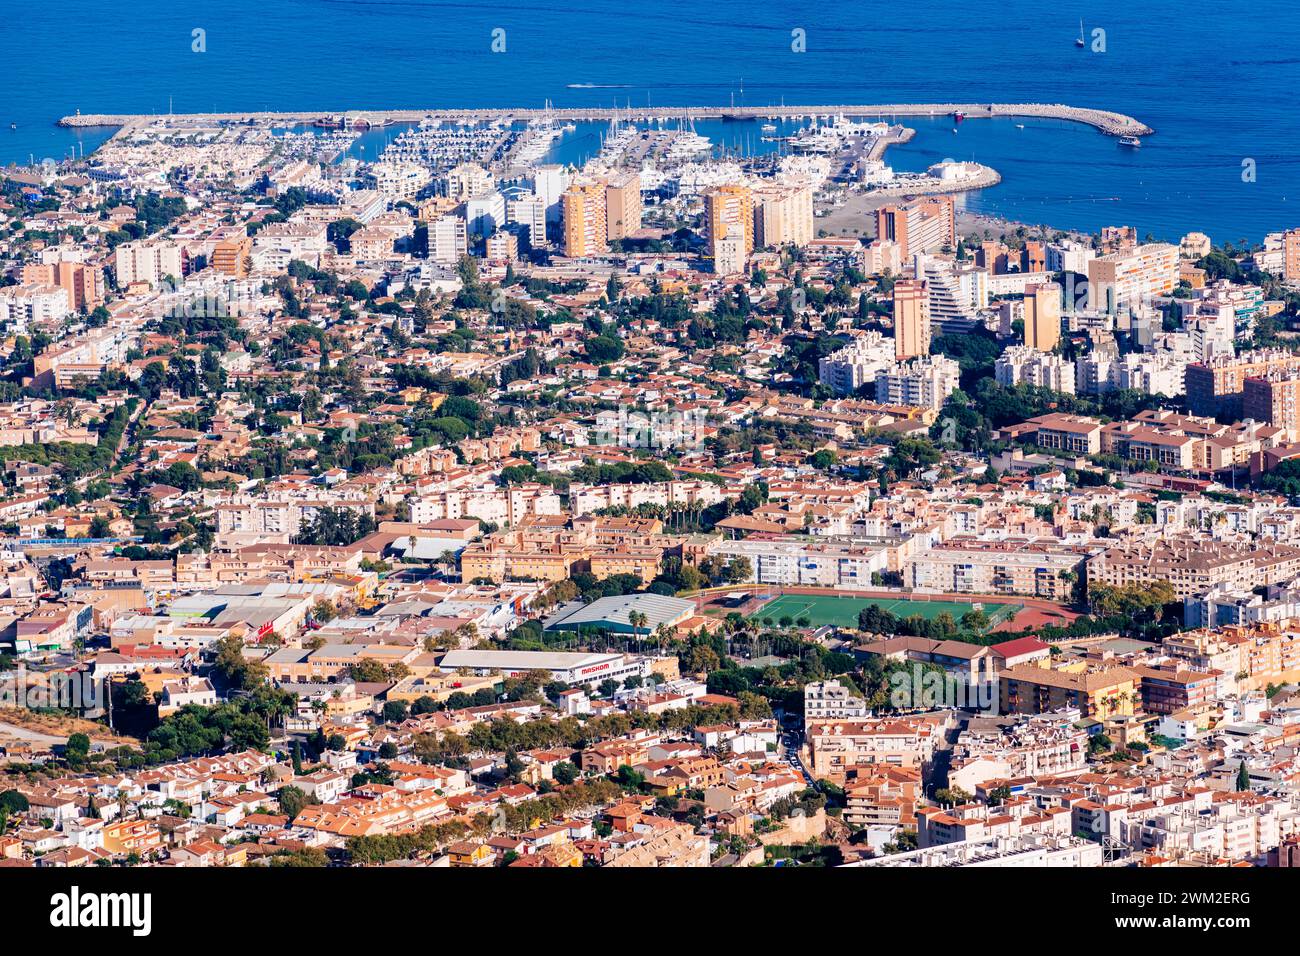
(857, 218)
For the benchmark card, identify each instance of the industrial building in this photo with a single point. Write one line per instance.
(612, 614)
(565, 667)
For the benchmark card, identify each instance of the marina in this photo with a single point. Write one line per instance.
(1105, 121)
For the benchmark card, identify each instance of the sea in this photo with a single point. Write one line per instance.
(1217, 82)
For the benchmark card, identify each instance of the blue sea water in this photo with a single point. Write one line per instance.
(1218, 82)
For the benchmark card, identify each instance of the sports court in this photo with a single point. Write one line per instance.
(843, 611)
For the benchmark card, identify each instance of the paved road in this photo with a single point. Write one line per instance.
(942, 760)
(791, 755)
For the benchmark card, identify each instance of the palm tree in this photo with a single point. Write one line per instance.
(638, 621)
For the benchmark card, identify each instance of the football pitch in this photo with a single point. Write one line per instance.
(843, 611)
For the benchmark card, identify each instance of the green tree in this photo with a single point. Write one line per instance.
(603, 349)
(323, 611)
(307, 857)
(77, 748)
(292, 800)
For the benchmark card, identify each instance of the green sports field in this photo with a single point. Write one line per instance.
(843, 611)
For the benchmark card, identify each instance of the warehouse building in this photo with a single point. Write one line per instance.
(573, 668)
(613, 614)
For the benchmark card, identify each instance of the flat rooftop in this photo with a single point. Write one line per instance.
(522, 660)
(612, 612)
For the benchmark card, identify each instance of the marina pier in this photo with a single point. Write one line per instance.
(1106, 121)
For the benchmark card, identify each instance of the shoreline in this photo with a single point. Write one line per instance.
(856, 219)
(1105, 121)
(858, 209)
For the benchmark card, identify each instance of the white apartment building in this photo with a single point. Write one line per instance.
(248, 521)
(883, 256)
(729, 255)
(957, 292)
(1097, 372)
(400, 180)
(148, 262)
(969, 566)
(363, 205)
(831, 700)
(448, 239)
(530, 212)
(486, 213)
(585, 499)
(20, 306)
(1032, 850)
(846, 370)
(1015, 283)
(1069, 256)
(1236, 305)
(926, 382)
(1273, 257)
(783, 214)
(549, 183)
(1157, 373)
(1020, 364)
(1227, 605)
(276, 245)
(468, 180)
(1210, 335)
(502, 506)
(788, 561)
(1126, 281)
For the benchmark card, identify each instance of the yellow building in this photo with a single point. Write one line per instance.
(643, 562)
(840, 747)
(585, 219)
(465, 853)
(502, 561)
(564, 854)
(1043, 316)
(1291, 255)
(439, 686)
(728, 211)
(231, 256)
(132, 836)
(911, 319)
(1102, 693)
(623, 205)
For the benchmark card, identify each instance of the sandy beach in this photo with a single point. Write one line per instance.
(856, 218)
